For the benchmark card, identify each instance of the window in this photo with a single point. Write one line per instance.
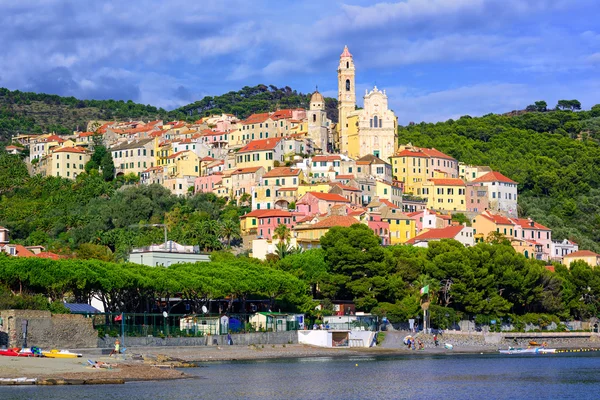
(375, 123)
(347, 85)
(268, 193)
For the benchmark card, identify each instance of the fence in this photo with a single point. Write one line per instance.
(179, 325)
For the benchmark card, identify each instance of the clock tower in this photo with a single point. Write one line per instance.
(346, 96)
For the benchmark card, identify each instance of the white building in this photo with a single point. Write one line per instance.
(559, 249)
(502, 192)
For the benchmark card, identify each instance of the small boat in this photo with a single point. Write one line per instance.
(448, 346)
(17, 352)
(54, 353)
(529, 350)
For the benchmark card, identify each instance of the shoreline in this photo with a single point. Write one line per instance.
(171, 361)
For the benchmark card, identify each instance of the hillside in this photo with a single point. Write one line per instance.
(249, 100)
(554, 155)
(26, 112)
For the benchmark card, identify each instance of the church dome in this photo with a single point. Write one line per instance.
(317, 98)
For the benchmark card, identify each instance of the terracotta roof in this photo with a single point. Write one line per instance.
(525, 223)
(282, 171)
(494, 176)
(256, 118)
(583, 253)
(370, 159)
(388, 203)
(75, 149)
(329, 197)
(496, 218)
(22, 251)
(436, 153)
(549, 268)
(423, 153)
(268, 214)
(281, 114)
(260, 145)
(326, 158)
(356, 213)
(346, 52)
(47, 254)
(334, 220)
(345, 187)
(448, 232)
(344, 177)
(447, 182)
(249, 170)
(410, 153)
(156, 168)
(289, 189)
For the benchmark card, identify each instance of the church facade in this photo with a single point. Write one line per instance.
(371, 130)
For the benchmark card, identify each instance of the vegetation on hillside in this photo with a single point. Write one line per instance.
(64, 214)
(256, 99)
(553, 155)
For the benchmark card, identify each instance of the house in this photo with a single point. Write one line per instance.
(402, 227)
(206, 184)
(133, 157)
(319, 203)
(502, 192)
(487, 222)
(470, 172)
(561, 248)
(589, 257)
(243, 180)
(261, 224)
(152, 175)
(308, 235)
(444, 194)
(69, 162)
(373, 167)
(382, 230)
(266, 153)
(166, 254)
(477, 198)
(183, 164)
(277, 188)
(415, 165)
(351, 193)
(326, 166)
(275, 321)
(3, 235)
(261, 248)
(13, 149)
(526, 228)
(462, 233)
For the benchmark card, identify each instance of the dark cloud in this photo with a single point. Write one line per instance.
(182, 93)
(56, 81)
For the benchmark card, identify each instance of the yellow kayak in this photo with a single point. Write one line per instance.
(54, 353)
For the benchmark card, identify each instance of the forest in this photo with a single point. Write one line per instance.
(552, 154)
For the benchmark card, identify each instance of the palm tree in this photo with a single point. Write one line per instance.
(230, 230)
(283, 233)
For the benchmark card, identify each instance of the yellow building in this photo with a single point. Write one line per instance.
(486, 222)
(278, 188)
(390, 192)
(266, 153)
(587, 256)
(68, 162)
(162, 150)
(314, 187)
(444, 194)
(309, 235)
(183, 164)
(402, 227)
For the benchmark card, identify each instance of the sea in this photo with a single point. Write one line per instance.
(445, 376)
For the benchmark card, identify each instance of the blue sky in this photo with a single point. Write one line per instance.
(437, 59)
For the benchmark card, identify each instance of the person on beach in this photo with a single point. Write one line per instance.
(421, 346)
(117, 348)
(435, 340)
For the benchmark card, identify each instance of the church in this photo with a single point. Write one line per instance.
(370, 130)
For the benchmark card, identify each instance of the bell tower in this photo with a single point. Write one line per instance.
(346, 96)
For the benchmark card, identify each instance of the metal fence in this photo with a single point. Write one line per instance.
(180, 325)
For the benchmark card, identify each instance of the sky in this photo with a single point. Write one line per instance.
(437, 59)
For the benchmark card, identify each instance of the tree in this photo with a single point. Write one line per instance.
(497, 238)
(230, 230)
(541, 106)
(283, 233)
(108, 167)
(13, 172)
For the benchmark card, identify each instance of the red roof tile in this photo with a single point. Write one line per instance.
(496, 218)
(47, 254)
(256, 119)
(447, 182)
(268, 214)
(346, 52)
(345, 187)
(409, 153)
(326, 158)
(249, 170)
(448, 232)
(260, 145)
(436, 153)
(388, 203)
(525, 223)
(494, 176)
(339, 177)
(75, 149)
(329, 197)
(583, 253)
(334, 220)
(282, 171)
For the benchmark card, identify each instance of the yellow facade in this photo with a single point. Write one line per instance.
(353, 141)
(402, 227)
(68, 162)
(413, 171)
(185, 163)
(444, 194)
(484, 225)
(317, 187)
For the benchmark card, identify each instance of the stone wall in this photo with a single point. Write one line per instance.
(46, 330)
(244, 339)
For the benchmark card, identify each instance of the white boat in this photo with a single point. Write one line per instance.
(530, 350)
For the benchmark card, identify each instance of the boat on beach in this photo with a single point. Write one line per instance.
(54, 353)
(17, 352)
(529, 350)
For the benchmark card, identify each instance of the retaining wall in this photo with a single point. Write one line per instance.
(46, 330)
(244, 339)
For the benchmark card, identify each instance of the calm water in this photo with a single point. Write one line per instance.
(564, 376)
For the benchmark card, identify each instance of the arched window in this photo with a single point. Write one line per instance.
(375, 124)
(347, 64)
(314, 117)
(347, 85)
(380, 121)
(268, 193)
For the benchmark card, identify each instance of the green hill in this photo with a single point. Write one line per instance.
(554, 155)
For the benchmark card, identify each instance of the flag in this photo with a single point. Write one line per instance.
(425, 290)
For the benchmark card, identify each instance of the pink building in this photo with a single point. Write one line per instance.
(477, 198)
(268, 220)
(206, 184)
(381, 229)
(527, 229)
(243, 180)
(319, 203)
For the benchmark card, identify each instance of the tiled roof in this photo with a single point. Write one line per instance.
(249, 170)
(447, 182)
(388, 203)
(288, 189)
(344, 177)
(334, 220)
(256, 118)
(329, 197)
(345, 187)
(494, 176)
(370, 159)
(281, 114)
(22, 251)
(525, 223)
(583, 253)
(133, 145)
(409, 153)
(75, 149)
(436, 153)
(47, 254)
(282, 171)
(326, 158)
(346, 52)
(260, 145)
(268, 214)
(448, 232)
(496, 218)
